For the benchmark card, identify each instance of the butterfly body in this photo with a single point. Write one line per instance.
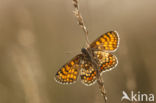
(88, 55)
(97, 58)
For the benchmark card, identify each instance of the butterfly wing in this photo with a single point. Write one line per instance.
(106, 61)
(88, 74)
(106, 42)
(69, 72)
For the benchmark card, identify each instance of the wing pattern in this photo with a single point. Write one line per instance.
(107, 61)
(88, 74)
(69, 72)
(106, 42)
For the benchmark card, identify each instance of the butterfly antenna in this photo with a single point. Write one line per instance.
(83, 46)
(68, 52)
(71, 52)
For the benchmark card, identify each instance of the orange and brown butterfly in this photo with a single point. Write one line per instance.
(100, 50)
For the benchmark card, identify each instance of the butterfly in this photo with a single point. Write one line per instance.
(99, 52)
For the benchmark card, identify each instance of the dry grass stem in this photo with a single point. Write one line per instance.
(80, 19)
(99, 80)
(102, 88)
(82, 25)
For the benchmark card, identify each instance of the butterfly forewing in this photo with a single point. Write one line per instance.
(88, 73)
(69, 72)
(106, 42)
(106, 61)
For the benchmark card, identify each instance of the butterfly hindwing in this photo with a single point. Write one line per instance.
(107, 61)
(87, 74)
(69, 72)
(106, 42)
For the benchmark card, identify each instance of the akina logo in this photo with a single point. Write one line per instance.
(137, 96)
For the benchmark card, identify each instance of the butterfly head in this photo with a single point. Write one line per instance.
(84, 51)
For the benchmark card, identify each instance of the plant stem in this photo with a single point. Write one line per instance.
(80, 19)
(82, 25)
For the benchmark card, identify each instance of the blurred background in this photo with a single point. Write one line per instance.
(37, 37)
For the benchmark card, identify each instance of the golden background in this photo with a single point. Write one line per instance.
(38, 36)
